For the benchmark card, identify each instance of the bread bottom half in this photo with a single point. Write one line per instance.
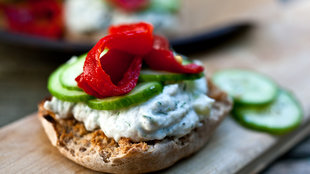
(97, 152)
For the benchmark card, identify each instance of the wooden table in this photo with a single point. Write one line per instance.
(278, 46)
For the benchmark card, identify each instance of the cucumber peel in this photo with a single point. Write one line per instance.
(281, 116)
(163, 76)
(246, 87)
(148, 75)
(56, 89)
(68, 75)
(141, 93)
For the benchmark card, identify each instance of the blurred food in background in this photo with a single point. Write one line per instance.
(35, 17)
(84, 19)
(75, 25)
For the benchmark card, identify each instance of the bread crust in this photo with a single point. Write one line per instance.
(97, 152)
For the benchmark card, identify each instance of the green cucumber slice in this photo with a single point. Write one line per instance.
(163, 76)
(148, 75)
(68, 75)
(142, 92)
(56, 89)
(279, 117)
(246, 87)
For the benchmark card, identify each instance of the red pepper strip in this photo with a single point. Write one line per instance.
(116, 63)
(160, 42)
(128, 45)
(84, 85)
(130, 5)
(105, 86)
(137, 27)
(96, 79)
(111, 75)
(164, 60)
(42, 18)
(136, 39)
(161, 58)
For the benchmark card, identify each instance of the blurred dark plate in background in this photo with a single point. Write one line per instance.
(201, 24)
(209, 39)
(186, 44)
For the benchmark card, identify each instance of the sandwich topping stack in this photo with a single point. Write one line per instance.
(131, 104)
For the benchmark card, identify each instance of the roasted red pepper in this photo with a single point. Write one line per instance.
(162, 58)
(130, 5)
(35, 17)
(110, 75)
(136, 39)
(117, 72)
(113, 59)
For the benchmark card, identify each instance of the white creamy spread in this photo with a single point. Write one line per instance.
(86, 15)
(174, 112)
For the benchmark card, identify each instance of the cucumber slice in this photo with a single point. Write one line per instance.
(279, 117)
(246, 87)
(163, 76)
(68, 75)
(142, 92)
(148, 75)
(56, 89)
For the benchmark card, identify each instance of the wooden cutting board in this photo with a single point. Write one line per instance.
(279, 46)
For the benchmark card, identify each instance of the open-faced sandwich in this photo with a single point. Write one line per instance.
(131, 105)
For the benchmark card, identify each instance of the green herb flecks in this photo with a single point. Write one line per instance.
(162, 112)
(159, 103)
(127, 123)
(183, 104)
(176, 103)
(148, 117)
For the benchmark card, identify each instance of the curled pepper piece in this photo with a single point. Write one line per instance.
(161, 58)
(97, 82)
(116, 72)
(130, 5)
(160, 42)
(116, 63)
(137, 27)
(136, 39)
(82, 83)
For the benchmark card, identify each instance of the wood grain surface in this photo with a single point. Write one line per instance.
(278, 46)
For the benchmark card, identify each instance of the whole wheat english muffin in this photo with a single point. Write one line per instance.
(94, 150)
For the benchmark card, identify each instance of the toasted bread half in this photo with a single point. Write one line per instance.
(96, 151)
